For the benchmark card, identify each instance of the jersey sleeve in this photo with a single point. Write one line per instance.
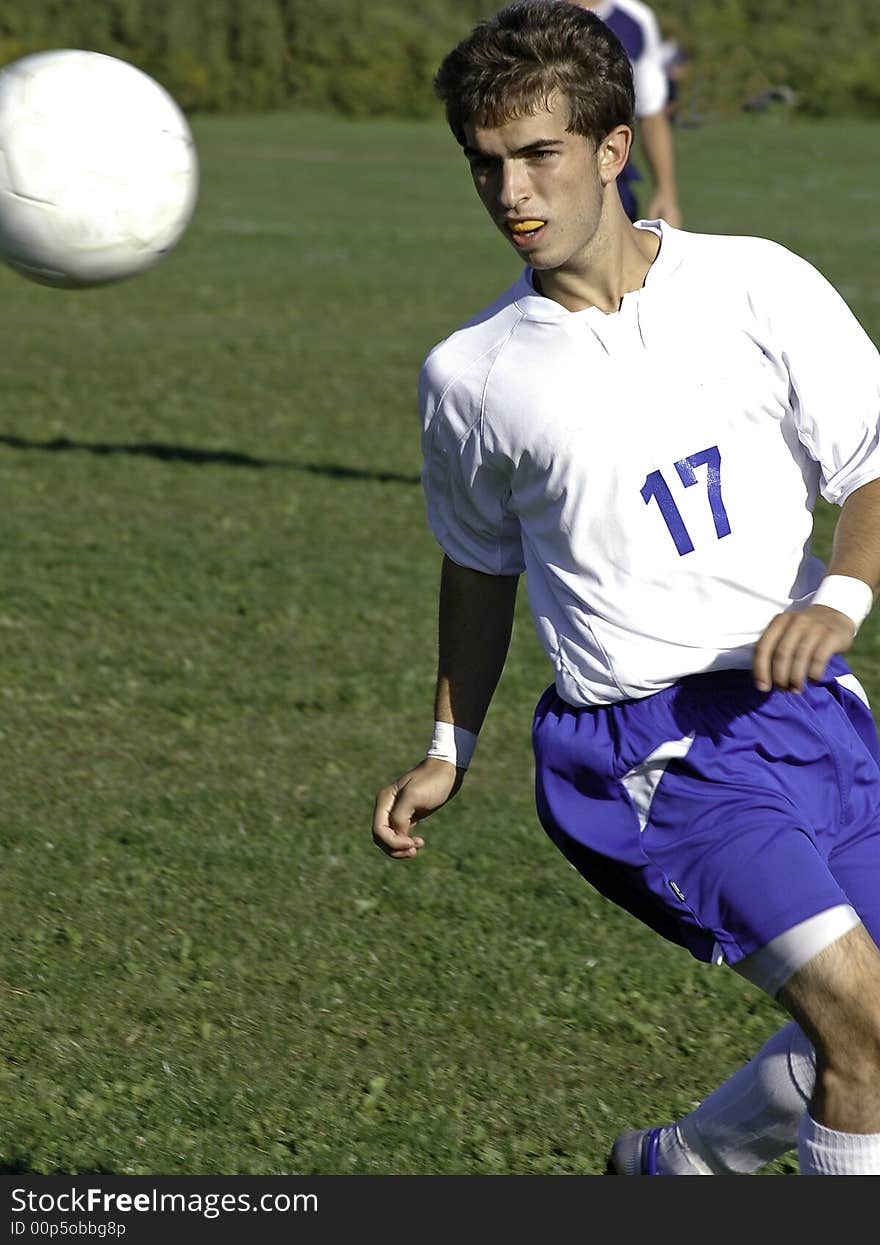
(834, 371)
(649, 69)
(466, 492)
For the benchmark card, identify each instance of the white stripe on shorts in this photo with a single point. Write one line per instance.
(851, 682)
(642, 780)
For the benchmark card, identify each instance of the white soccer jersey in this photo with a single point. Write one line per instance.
(653, 471)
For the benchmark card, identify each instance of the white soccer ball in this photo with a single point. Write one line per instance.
(98, 168)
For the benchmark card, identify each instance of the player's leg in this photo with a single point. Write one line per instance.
(835, 998)
(747, 1122)
(776, 1102)
(754, 1116)
(758, 1113)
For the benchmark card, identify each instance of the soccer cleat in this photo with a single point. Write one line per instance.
(635, 1153)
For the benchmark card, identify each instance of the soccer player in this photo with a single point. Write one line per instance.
(642, 425)
(637, 28)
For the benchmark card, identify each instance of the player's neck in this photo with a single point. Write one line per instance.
(616, 262)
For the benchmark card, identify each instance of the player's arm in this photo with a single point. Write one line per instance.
(659, 148)
(475, 624)
(797, 645)
(655, 132)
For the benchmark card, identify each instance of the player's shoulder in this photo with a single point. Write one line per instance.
(749, 256)
(469, 349)
(747, 275)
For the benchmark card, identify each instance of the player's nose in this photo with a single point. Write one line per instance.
(513, 189)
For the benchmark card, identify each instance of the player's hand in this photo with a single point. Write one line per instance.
(797, 645)
(409, 800)
(664, 207)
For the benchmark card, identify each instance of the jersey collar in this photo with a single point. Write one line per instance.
(536, 307)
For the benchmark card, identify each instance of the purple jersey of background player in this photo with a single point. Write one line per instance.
(632, 36)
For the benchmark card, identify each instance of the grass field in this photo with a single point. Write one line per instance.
(217, 625)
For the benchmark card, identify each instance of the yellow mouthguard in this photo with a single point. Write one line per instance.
(526, 226)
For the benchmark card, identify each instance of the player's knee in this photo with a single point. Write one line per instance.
(836, 1000)
(848, 1058)
(848, 1069)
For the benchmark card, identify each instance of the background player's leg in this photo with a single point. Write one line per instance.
(628, 198)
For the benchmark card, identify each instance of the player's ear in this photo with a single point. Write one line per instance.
(613, 153)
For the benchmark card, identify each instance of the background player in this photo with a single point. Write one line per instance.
(642, 423)
(637, 28)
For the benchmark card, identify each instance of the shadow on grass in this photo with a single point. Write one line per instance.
(199, 457)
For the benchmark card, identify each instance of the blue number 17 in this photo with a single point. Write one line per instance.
(656, 488)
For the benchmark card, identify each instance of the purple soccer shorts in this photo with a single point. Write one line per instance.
(719, 815)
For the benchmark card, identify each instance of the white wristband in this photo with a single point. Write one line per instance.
(847, 595)
(452, 743)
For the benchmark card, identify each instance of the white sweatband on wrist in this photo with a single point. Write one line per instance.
(452, 743)
(847, 595)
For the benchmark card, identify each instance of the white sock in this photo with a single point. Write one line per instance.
(676, 1158)
(752, 1118)
(673, 1157)
(824, 1152)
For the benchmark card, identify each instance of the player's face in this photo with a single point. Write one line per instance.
(540, 183)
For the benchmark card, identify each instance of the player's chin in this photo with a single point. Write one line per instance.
(542, 258)
(528, 247)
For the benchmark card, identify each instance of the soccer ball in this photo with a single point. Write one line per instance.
(98, 169)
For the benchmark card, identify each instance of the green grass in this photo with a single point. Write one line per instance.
(218, 623)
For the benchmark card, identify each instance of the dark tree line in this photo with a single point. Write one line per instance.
(375, 57)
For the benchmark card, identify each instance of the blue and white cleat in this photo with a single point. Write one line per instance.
(635, 1153)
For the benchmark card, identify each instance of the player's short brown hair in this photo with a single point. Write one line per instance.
(513, 63)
